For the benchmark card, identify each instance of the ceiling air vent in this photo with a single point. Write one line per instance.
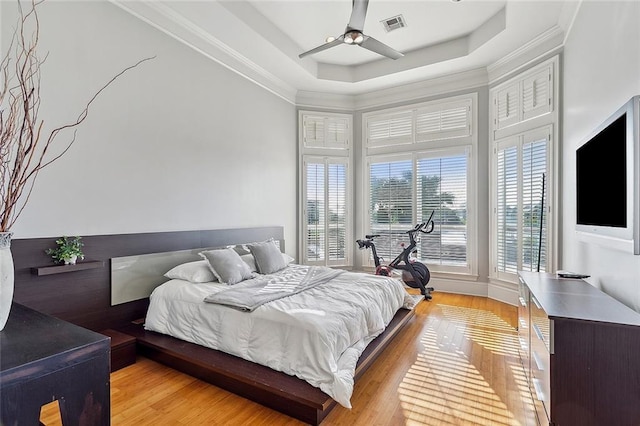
(394, 23)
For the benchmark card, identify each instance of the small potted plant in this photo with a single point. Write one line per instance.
(68, 251)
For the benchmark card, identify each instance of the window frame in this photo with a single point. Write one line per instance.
(437, 147)
(518, 141)
(544, 116)
(327, 161)
(329, 154)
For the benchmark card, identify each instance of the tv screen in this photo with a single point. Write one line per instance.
(601, 177)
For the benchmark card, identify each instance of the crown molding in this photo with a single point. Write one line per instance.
(185, 31)
(545, 44)
(330, 101)
(427, 88)
(568, 17)
(400, 94)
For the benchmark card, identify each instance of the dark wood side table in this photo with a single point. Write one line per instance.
(43, 359)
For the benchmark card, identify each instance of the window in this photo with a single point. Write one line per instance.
(390, 204)
(325, 142)
(419, 161)
(442, 189)
(522, 203)
(524, 121)
(405, 192)
(326, 211)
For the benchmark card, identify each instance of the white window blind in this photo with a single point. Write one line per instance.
(336, 212)
(507, 210)
(534, 166)
(398, 201)
(315, 211)
(442, 189)
(391, 204)
(326, 211)
(519, 212)
(390, 129)
(443, 121)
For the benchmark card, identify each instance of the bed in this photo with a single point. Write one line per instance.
(320, 332)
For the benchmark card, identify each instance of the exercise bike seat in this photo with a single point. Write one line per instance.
(368, 237)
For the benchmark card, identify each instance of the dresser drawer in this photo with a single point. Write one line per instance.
(541, 349)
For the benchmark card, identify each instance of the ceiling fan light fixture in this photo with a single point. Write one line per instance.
(353, 37)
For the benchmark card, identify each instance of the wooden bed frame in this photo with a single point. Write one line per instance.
(279, 391)
(82, 295)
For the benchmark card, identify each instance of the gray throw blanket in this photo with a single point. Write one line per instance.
(249, 295)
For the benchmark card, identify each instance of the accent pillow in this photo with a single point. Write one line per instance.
(227, 265)
(195, 272)
(268, 257)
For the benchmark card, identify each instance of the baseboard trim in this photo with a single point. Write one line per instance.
(503, 292)
(471, 288)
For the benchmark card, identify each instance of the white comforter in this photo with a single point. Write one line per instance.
(317, 335)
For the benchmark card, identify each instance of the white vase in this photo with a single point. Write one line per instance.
(70, 260)
(6, 277)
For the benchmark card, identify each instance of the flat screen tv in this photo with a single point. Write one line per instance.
(607, 174)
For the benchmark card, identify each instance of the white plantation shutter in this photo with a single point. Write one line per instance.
(522, 151)
(313, 131)
(521, 164)
(325, 215)
(534, 165)
(390, 204)
(325, 132)
(507, 210)
(337, 133)
(390, 129)
(442, 189)
(443, 121)
(336, 211)
(315, 211)
(507, 106)
(536, 94)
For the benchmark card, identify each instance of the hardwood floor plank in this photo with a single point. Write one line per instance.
(455, 363)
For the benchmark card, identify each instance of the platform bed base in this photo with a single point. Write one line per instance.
(281, 392)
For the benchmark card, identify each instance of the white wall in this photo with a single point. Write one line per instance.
(601, 72)
(179, 143)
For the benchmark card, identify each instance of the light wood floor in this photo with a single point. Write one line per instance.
(455, 363)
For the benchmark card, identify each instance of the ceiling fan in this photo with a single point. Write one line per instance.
(353, 35)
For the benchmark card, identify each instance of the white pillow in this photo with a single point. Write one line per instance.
(195, 272)
(227, 265)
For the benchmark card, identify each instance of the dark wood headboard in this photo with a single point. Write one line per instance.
(83, 297)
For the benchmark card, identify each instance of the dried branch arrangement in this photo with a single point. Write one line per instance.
(24, 151)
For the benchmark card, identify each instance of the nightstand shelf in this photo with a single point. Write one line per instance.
(123, 349)
(60, 269)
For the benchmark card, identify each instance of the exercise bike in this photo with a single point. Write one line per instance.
(414, 274)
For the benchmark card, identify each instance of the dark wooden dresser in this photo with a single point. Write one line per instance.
(43, 359)
(581, 352)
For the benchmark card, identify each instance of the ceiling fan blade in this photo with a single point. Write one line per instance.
(374, 45)
(322, 47)
(358, 14)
